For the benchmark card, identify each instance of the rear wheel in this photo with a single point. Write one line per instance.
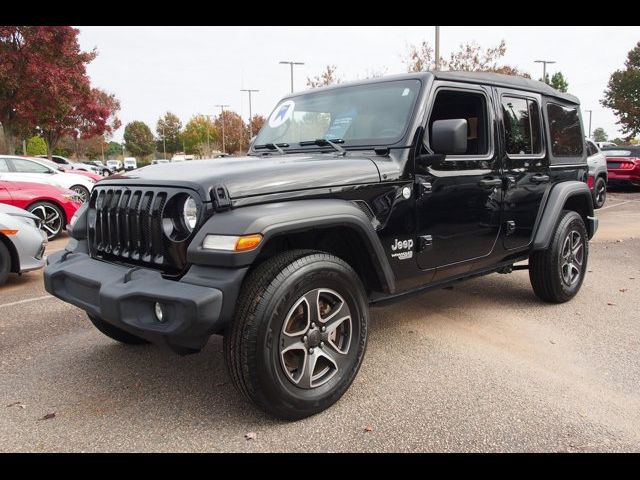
(557, 273)
(5, 263)
(599, 192)
(53, 221)
(116, 333)
(82, 191)
(299, 333)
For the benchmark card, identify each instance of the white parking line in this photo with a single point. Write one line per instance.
(11, 304)
(617, 204)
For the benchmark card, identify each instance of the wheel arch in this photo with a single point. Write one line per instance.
(573, 195)
(334, 226)
(13, 253)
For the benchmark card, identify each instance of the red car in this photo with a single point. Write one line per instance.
(54, 205)
(623, 164)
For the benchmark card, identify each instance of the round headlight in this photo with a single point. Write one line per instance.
(190, 213)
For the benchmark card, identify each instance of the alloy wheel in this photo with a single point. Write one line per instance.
(51, 220)
(315, 338)
(572, 258)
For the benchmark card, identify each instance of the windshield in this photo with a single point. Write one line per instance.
(370, 114)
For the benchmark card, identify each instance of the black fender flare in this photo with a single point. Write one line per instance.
(556, 201)
(273, 219)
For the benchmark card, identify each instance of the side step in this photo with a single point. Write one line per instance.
(511, 268)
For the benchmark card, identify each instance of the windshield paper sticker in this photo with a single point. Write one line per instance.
(340, 125)
(282, 114)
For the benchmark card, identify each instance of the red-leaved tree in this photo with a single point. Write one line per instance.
(44, 86)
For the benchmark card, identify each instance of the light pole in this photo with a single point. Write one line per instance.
(222, 107)
(590, 112)
(249, 91)
(291, 64)
(544, 67)
(123, 152)
(437, 67)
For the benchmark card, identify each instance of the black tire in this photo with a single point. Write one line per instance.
(253, 342)
(548, 268)
(82, 191)
(116, 333)
(5, 263)
(51, 226)
(599, 192)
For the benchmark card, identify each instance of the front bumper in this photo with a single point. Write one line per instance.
(125, 297)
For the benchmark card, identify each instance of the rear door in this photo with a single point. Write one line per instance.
(526, 164)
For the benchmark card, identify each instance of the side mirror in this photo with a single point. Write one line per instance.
(449, 136)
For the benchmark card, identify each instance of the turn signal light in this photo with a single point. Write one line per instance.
(9, 232)
(248, 242)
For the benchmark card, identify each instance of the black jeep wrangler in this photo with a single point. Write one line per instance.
(350, 195)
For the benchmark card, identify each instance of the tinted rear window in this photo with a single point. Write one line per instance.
(566, 132)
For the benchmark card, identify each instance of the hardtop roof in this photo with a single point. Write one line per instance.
(487, 78)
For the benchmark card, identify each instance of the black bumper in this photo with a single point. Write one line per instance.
(126, 297)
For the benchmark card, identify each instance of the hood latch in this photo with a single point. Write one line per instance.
(220, 197)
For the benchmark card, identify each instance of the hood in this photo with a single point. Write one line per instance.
(246, 176)
(15, 211)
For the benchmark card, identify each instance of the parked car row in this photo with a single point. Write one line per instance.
(44, 189)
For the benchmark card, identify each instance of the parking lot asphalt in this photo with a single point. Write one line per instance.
(484, 366)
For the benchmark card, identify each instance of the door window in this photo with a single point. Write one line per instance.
(3, 165)
(26, 166)
(452, 104)
(521, 125)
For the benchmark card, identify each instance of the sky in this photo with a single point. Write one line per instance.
(189, 70)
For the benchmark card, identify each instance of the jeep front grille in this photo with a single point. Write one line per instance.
(125, 226)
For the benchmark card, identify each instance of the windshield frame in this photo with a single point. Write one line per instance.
(403, 140)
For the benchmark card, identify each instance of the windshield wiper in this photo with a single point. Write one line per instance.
(273, 146)
(321, 142)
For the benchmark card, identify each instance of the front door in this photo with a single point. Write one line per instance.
(460, 200)
(526, 166)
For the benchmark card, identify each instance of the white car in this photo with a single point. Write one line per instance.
(130, 163)
(598, 174)
(114, 165)
(22, 243)
(64, 161)
(605, 144)
(31, 170)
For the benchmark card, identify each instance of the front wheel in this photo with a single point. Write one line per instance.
(81, 191)
(557, 273)
(299, 333)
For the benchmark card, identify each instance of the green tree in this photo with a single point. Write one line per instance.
(622, 94)
(559, 82)
(113, 150)
(138, 139)
(599, 135)
(327, 77)
(168, 129)
(36, 146)
(195, 136)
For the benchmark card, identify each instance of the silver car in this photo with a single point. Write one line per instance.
(598, 174)
(22, 243)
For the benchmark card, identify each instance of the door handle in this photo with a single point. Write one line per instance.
(490, 182)
(540, 178)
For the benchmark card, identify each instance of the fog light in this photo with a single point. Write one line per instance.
(159, 312)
